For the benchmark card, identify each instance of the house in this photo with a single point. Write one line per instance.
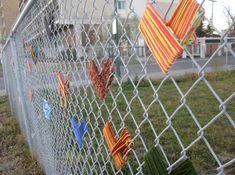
(94, 22)
(135, 11)
(79, 29)
(138, 6)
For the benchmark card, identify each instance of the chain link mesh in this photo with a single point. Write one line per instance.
(64, 36)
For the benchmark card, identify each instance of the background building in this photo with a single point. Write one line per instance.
(98, 21)
(64, 29)
(9, 10)
(138, 6)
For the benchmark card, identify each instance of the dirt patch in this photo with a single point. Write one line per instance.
(15, 157)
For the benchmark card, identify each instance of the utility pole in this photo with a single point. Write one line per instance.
(212, 10)
(117, 62)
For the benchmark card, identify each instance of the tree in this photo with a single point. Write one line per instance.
(201, 32)
(230, 20)
(205, 30)
(209, 31)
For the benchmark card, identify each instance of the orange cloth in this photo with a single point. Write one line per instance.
(184, 17)
(119, 147)
(33, 54)
(63, 89)
(162, 38)
(162, 43)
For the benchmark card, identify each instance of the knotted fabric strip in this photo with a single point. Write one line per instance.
(33, 54)
(184, 168)
(118, 148)
(160, 40)
(29, 66)
(79, 131)
(103, 79)
(184, 17)
(47, 109)
(156, 165)
(63, 87)
(30, 94)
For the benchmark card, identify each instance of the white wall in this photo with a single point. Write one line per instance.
(80, 11)
(76, 10)
(139, 7)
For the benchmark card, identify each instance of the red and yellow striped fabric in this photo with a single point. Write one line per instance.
(162, 43)
(184, 16)
(118, 147)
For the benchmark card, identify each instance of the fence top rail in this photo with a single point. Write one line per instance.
(91, 99)
(18, 21)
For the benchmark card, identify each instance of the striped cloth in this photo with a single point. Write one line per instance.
(184, 16)
(118, 147)
(160, 40)
(163, 37)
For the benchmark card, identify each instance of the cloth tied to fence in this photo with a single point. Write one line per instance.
(156, 165)
(101, 80)
(79, 131)
(187, 15)
(63, 89)
(163, 37)
(119, 148)
(33, 54)
(30, 94)
(46, 109)
(162, 43)
(29, 66)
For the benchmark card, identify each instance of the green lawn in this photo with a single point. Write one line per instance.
(203, 104)
(127, 107)
(15, 157)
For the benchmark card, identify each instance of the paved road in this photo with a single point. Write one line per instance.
(182, 64)
(153, 70)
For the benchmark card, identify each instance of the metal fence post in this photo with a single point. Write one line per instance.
(6, 80)
(56, 97)
(118, 62)
(20, 90)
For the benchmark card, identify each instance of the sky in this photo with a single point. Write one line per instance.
(220, 19)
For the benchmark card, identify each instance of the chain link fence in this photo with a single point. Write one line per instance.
(46, 66)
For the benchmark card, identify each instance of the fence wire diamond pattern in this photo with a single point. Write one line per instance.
(65, 36)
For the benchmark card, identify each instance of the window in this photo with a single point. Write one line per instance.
(121, 4)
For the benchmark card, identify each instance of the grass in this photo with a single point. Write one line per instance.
(127, 109)
(201, 101)
(15, 157)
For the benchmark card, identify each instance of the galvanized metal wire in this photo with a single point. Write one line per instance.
(65, 35)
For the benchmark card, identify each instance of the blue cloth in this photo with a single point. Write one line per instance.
(79, 131)
(46, 109)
